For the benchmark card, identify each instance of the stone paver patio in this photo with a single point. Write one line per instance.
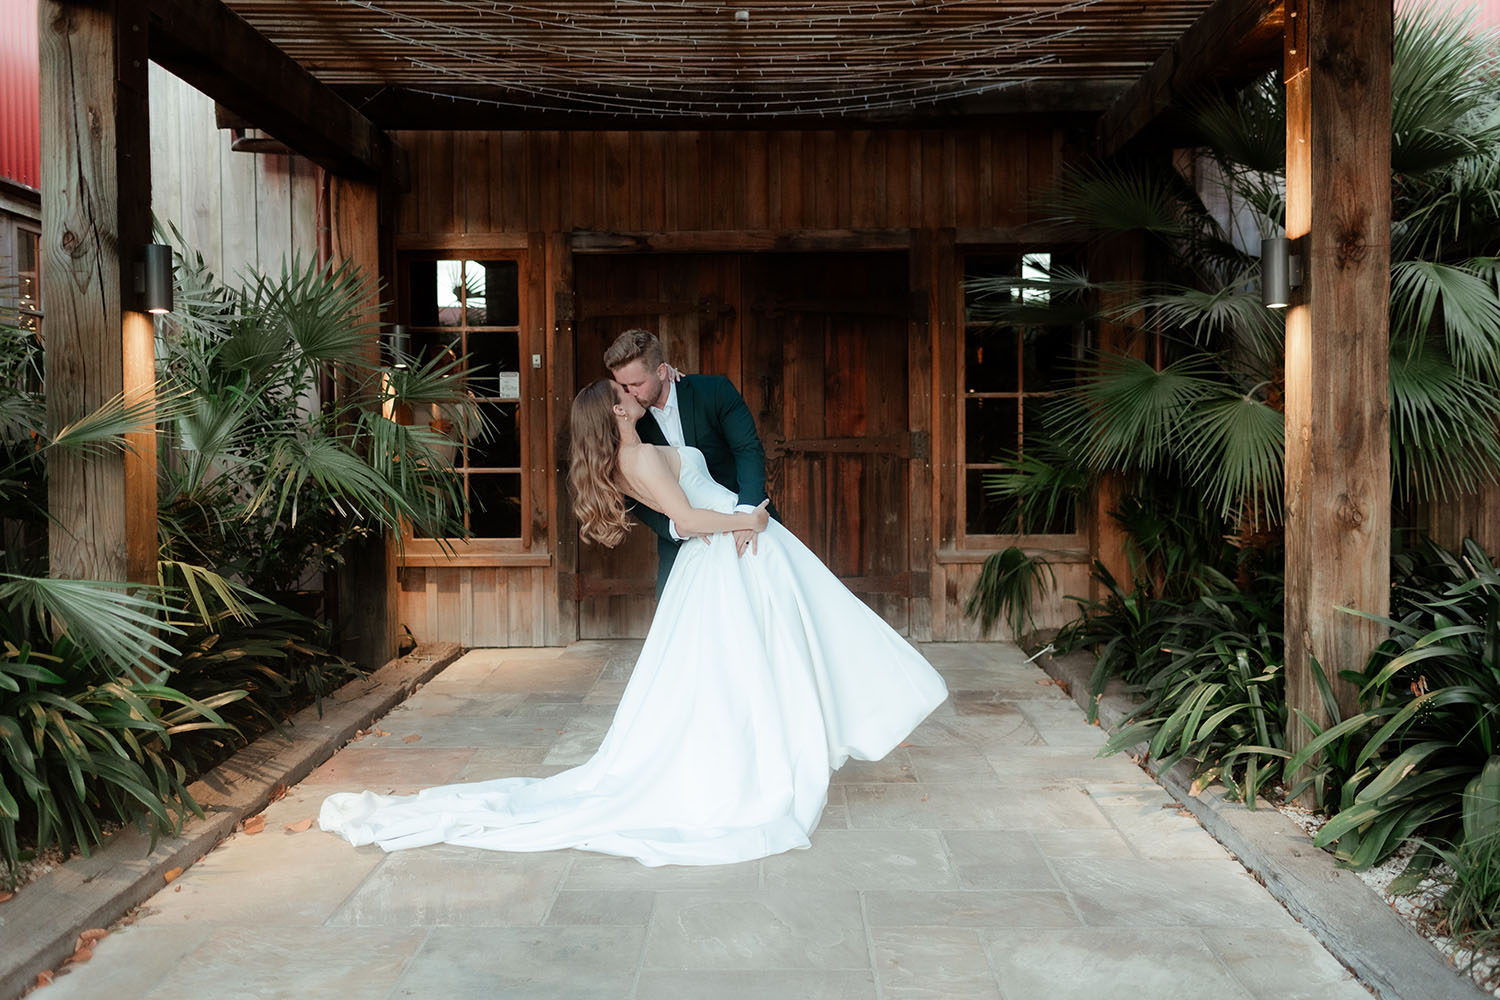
(993, 857)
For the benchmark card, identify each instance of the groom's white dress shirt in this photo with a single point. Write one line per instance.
(669, 418)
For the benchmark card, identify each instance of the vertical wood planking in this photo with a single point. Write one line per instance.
(920, 494)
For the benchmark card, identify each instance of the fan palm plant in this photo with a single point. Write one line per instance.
(267, 475)
(1208, 419)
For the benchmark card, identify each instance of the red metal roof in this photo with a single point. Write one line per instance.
(20, 103)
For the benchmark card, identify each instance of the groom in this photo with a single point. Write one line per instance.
(704, 411)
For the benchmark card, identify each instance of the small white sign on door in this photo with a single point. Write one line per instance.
(510, 385)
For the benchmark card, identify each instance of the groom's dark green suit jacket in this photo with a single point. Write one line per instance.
(716, 421)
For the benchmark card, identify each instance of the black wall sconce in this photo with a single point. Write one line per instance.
(395, 347)
(1280, 272)
(153, 278)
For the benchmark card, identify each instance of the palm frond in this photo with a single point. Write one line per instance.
(1465, 302)
(1445, 427)
(326, 311)
(1235, 450)
(104, 429)
(118, 622)
(1246, 130)
(1220, 317)
(1442, 89)
(1115, 198)
(1123, 414)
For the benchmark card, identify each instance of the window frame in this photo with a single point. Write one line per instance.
(1077, 540)
(527, 549)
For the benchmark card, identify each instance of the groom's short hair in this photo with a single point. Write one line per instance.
(633, 344)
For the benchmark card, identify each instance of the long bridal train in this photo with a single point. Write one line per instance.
(759, 677)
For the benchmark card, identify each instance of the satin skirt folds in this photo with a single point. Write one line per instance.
(760, 676)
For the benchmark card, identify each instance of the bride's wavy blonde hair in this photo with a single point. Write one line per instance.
(594, 464)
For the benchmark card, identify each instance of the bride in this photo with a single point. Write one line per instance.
(759, 677)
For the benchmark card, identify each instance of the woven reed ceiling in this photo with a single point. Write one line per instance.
(693, 60)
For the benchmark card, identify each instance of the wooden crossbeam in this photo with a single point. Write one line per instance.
(1233, 41)
(219, 53)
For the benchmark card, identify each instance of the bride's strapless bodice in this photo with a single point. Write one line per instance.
(699, 486)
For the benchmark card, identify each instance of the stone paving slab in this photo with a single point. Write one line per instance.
(991, 856)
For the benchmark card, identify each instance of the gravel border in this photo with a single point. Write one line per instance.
(39, 926)
(1350, 919)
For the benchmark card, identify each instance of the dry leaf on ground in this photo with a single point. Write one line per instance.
(79, 956)
(301, 826)
(412, 738)
(1045, 681)
(278, 793)
(91, 937)
(44, 978)
(6, 897)
(171, 873)
(380, 732)
(255, 824)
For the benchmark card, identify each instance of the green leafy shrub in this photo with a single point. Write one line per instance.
(1426, 741)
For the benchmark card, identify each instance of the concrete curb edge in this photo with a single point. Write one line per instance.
(1344, 914)
(42, 922)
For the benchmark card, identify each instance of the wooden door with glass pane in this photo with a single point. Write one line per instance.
(471, 309)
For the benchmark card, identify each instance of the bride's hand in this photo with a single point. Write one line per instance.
(762, 516)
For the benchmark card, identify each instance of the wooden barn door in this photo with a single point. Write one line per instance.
(816, 343)
(687, 301)
(825, 361)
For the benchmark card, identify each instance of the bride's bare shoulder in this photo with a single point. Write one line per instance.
(643, 460)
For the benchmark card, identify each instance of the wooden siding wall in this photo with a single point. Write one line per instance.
(471, 190)
(239, 210)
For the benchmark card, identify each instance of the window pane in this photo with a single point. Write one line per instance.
(985, 516)
(981, 266)
(30, 290)
(503, 448)
(492, 292)
(992, 428)
(494, 364)
(429, 344)
(495, 505)
(1033, 427)
(1047, 358)
(990, 363)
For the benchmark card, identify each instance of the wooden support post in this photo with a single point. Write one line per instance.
(1338, 487)
(96, 221)
(1117, 261)
(369, 617)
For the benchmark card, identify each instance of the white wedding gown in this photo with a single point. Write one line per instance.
(759, 677)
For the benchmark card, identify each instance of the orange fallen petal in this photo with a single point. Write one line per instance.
(412, 738)
(6, 897)
(278, 793)
(1045, 681)
(254, 825)
(81, 955)
(171, 874)
(301, 826)
(43, 978)
(91, 937)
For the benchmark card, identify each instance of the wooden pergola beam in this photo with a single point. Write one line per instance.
(1338, 215)
(211, 47)
(1233, 40)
